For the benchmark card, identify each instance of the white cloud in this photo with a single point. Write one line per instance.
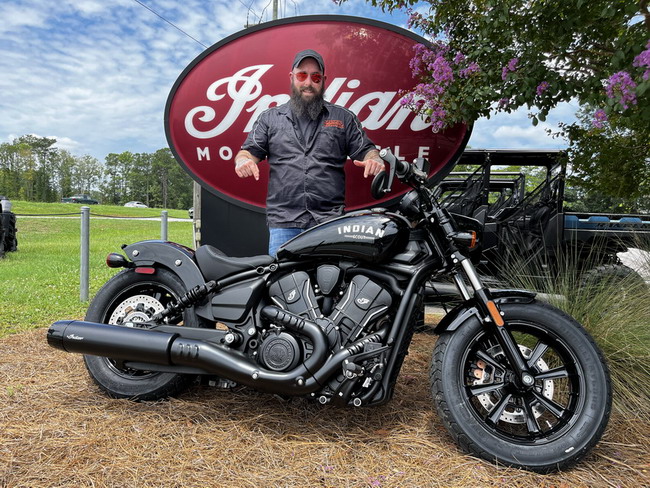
(15, 17)
(98, 73)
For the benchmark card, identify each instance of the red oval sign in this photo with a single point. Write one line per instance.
(215, 101)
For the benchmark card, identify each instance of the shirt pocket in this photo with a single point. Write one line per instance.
(331, 144)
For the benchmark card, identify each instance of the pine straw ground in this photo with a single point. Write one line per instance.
(58, 430)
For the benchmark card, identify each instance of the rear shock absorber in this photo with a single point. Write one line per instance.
(195, 295)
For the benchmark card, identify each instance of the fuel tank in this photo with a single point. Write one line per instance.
(368, 235)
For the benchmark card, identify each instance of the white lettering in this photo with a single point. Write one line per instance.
(333, 87)
(375, 120)
(225, 153)
(240, 88)
(423, 152)
(264, 103)
(243, 92)
(345, 96)
(203, 153)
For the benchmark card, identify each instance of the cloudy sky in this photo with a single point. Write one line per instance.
(95, 74)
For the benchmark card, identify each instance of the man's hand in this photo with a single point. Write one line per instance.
(245, 167)
(373, 165)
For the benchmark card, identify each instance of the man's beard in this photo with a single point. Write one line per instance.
(312, 108)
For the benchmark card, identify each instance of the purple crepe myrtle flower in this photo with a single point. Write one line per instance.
(504, 102)
(600, 117)
(510, 67)
(620, 87)
(441, 71)
(542, 87)
(459, 58)
(471, 69)
(414, 19)
(643, 60)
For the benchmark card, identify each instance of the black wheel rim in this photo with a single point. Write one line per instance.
(157, 292)
(510, 411)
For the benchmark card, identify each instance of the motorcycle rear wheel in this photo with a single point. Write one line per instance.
(547, 427)
(132, 297)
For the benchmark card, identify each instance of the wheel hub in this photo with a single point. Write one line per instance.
(486, 374)
(136, 309)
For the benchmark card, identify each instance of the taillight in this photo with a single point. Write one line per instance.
(145, 270)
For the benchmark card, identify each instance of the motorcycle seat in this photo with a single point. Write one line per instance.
(215, 265)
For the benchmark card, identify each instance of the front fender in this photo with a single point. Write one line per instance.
(465, 311)
(177, 258)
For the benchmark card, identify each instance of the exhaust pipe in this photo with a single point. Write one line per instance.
(172, 349)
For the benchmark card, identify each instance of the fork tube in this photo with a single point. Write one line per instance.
(462, 287)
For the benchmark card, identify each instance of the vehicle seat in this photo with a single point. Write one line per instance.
(215, 265)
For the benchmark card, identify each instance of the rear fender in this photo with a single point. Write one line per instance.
(465, 311)
(178, 259)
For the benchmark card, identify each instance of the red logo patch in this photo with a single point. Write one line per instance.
(334, 123)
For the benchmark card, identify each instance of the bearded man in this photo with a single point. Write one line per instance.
(307, 142)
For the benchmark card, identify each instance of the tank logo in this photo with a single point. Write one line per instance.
(291, 295)
(74, 337)
(358, 231)
(363, 301)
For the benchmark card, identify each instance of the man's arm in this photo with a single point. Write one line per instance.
(246, 165)
(371, 163)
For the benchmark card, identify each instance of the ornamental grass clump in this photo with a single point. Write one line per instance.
(613, 304)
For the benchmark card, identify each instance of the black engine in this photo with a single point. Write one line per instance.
(345, 312)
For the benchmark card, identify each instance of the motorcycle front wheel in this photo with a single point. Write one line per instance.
(544, 427)
(127, 299)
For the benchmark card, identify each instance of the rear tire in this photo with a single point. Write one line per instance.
(547, 427)
(132, 297)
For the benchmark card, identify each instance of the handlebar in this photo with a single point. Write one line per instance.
(414, 175)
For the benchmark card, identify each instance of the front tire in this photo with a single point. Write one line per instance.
(543, 428)
(129, 297)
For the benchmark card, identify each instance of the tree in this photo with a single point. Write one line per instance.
(117, 172)
(86, 174)
(174, 185)
(500, 55)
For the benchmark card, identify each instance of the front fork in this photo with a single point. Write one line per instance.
(492, 317)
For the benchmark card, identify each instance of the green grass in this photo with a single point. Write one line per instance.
(39, 208)
(39, 283)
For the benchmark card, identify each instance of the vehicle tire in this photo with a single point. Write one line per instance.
(132, 297)
(546, 427)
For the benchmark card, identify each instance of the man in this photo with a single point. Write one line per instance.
(307, 142)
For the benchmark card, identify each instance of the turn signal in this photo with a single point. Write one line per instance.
(468, 239)
(115, 260)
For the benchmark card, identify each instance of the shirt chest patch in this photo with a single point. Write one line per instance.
(334, 123)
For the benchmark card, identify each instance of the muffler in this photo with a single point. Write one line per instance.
(172, 349)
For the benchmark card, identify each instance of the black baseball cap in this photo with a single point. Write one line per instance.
(308, 53)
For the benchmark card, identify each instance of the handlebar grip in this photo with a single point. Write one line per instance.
(401, 167)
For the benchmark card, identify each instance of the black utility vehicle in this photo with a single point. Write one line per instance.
(527, 230)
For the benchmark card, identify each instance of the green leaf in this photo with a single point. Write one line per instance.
(535, 121)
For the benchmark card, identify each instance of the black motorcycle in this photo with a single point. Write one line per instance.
(515, 380)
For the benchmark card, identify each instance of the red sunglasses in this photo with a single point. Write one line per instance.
(302, 76)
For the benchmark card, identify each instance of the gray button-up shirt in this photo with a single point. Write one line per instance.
(307, 179)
